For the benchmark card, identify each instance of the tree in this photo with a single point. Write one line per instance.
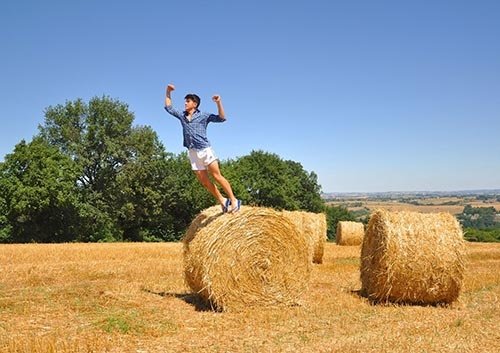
(185, 197)
(309, 191)
(39, 195)
(122, 167)
(478, 217)
(94, 135)
(158, 192)
(5, 227)
(135, 196)
(264, 179)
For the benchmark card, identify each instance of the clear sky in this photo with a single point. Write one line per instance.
(370, 95)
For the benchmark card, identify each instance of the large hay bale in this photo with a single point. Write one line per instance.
(313, 228)
(319, 220)
(255, 257)
(409, 257)
(297, 219)
(349, 233)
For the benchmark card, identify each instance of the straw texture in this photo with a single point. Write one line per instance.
(312, 226)
(349, 233)
(409, 257)
(297, 218)
(320, 236)
(255, 257)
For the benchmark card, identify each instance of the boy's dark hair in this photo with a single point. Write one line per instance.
(194, 98)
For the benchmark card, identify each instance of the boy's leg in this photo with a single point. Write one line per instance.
(202, 176)
(197, 159)
(214, 170)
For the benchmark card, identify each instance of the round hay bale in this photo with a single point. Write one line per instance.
(349, 233)
(297, 219)
(320, 236)
(313, 227)
(255, 257)
(415, 258)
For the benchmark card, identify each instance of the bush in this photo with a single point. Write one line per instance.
(482, 235)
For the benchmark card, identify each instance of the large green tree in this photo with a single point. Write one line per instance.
(39, 200)
(95, 135)
(264, 179)
(122, 167)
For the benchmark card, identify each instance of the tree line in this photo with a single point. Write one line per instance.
(90, 175)
(480, 224)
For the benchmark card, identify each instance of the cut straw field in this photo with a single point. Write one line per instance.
(132, 298)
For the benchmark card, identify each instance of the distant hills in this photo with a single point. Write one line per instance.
(409, 194)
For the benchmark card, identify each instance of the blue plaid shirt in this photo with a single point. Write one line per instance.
(194, 131)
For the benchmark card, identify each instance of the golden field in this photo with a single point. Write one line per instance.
(130, 297)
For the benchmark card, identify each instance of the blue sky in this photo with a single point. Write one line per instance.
(370, 95)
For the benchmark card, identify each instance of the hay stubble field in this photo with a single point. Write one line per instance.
(131, 297)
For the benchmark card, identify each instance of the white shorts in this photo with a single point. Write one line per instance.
(200, 159)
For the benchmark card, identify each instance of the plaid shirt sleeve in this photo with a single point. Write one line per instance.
(215, 118)
(171, 110)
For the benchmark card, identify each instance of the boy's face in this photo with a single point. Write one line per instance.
(189, 105)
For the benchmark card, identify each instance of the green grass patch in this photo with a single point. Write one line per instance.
(125, 322)
(482, 235)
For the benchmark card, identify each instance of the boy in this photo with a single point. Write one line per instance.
(202, 156)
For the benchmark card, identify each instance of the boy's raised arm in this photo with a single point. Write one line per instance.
(168, 100)
(220, 109)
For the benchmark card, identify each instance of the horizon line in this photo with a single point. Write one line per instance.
(414, 191)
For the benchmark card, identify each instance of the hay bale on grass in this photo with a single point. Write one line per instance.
(318, 222)
(349, 233)
(312, 226)
(255, 257)
(409, 257)
(297, 219)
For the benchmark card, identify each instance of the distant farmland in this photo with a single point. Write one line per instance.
(453, 205)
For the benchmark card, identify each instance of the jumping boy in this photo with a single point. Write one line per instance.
(202, 156)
